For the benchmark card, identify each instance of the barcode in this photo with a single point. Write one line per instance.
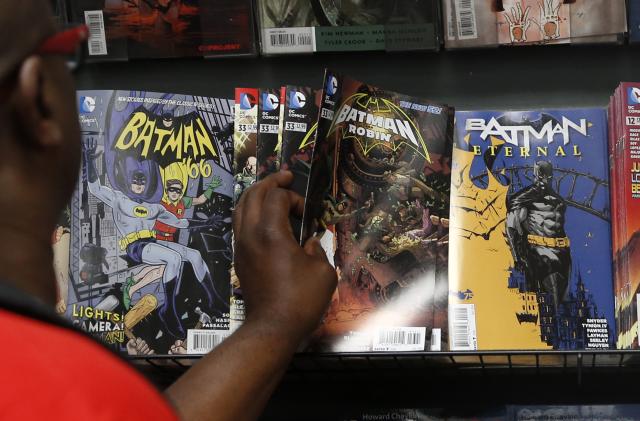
(436, 339)
(400, 339)
(290, 40)
(466, 17)
(201, 341)
(286, 40)
(463, 327)
(97, 42)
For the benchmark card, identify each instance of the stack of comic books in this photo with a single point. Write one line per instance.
(374, 168)
(149, 225)
(124, 29)
(530, 231)
(489, 23)
(624, 155)
(301, 26)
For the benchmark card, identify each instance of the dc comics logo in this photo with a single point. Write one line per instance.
(247, 101)
(270, 102)
(297, 100)
(633, 95)
(332, 85)
(87, 104)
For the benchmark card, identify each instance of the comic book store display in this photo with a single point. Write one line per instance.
(530, 195)
(624, 155)
(392, 188)
(123, 29)
(489, 23)
(150, 222)
(302, 26)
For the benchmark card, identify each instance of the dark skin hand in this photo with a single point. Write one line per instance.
(286, 291)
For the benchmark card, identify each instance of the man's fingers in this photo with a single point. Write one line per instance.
(252, 199)
(278, 205)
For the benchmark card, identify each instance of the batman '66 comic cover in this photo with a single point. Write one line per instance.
(151, 221)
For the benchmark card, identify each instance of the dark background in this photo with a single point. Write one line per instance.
(506, 78)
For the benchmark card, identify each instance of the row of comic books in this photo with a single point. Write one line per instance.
(123, 29)
(466, 230)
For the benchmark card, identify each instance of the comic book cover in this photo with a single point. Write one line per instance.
(633, 13)
(530, 194)
(245, 138)
(298, 26)
(299, 124)
(523, 22)
(387, 199)
(627, 412)
(151, 221)
(627, 226)
(121, 29)
(267, 149)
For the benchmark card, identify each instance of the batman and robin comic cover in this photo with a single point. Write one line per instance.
(151, 221)
(381, 201)
(122, 29)
(530, 229)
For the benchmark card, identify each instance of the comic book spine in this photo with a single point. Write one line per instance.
(245, 137)
(299, 123)
(268, 153)
(322, 164)
(629, 144)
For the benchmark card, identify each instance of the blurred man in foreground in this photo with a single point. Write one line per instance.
(54, 372)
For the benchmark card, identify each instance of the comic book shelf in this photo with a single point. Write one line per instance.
(319, 386)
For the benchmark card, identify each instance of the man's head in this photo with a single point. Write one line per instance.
(543, 172)
(174, 190)
(40, 133)
(138, 183)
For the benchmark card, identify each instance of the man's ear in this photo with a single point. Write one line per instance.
(33, 106)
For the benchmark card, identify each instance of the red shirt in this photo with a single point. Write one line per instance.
(166, 232)
(53, 373)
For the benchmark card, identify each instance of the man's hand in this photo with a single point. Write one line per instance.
(285, 286)
(286, 290)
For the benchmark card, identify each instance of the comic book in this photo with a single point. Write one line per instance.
(300, 26)
(151, 221)
(268, 151)
(122, 29)
(245, 138)
(634, 20)
(384, 209)
(625, 147)
(299, 123)
(484, 23)
(530, 194)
